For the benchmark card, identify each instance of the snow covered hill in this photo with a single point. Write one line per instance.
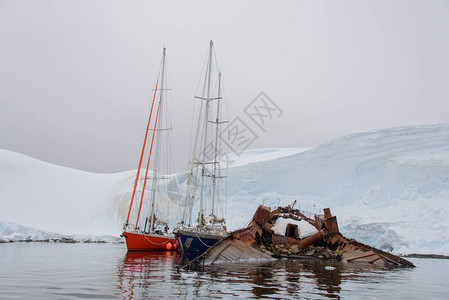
(389, 188)
(58, 199)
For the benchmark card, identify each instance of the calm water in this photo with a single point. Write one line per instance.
(107, 271)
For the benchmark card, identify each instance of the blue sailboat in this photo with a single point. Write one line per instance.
(206, 170)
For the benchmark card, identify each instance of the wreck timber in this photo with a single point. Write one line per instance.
(261, 240)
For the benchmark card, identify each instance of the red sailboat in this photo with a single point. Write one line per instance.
(143, 231)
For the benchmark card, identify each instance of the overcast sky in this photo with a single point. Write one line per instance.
(76, 76)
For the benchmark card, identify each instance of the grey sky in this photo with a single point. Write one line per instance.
(76, 76)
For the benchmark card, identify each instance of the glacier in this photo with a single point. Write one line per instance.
(389, 188)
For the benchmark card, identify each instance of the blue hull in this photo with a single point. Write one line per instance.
(194, 244)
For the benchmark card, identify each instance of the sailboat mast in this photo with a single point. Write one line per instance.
(217, 120)
(140, 161)
(156, 158)
(203, 171)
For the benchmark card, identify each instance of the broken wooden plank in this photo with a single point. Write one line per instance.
(362, 255)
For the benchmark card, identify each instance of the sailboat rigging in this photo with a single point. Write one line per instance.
(205, 170)
(148, 232)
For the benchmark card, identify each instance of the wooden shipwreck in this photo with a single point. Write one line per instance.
(285, 232)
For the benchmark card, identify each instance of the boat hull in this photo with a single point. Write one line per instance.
(194, 243)
(148, 242)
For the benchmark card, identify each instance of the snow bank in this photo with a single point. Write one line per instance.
(10, 232)
(58, 199)
(259, 155)
(389, 188)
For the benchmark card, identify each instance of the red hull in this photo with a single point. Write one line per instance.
(148, 242)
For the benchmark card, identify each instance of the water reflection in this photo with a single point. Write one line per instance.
(80, 271)
(288, 278)
(154, 274)
(142, 272)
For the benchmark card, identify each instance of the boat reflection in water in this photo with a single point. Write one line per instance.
(144, 275)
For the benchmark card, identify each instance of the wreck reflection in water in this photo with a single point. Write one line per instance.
(283, 278)
(154, 274)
